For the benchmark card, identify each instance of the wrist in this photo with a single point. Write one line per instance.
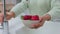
(47, 17)
(12, 14)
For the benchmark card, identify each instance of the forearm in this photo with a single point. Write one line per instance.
(19, 8)
(55, 9)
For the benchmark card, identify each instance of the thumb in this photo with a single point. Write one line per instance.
(40, 19)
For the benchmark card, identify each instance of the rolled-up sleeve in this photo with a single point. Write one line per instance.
(19, 8)
(55, 9)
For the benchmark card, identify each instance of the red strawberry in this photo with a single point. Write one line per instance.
(26, 17)
(35, 17)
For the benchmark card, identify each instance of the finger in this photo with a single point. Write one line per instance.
(8, 17)
(40, 18)
(33, 25)
(38, 25)
(1, 19)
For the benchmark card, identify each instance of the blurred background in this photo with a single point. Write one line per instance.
(9, 4)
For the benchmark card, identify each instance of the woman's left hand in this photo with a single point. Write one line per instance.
(42, 21)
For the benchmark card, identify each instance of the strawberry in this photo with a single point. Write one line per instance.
(35, 17)
(26, 17)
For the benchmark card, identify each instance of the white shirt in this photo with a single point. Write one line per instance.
(39, 7)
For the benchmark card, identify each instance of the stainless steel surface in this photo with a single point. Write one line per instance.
(5, 27)
(5, 23)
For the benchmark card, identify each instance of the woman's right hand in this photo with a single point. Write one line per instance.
(9, 15)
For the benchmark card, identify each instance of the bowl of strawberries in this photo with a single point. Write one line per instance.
(28, 20)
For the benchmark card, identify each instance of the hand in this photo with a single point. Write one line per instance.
(1, 17)
(44, 18)
(41, 22)
(9, 15)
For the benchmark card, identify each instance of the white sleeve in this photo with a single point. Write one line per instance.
(55, 9)
(19, 8)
